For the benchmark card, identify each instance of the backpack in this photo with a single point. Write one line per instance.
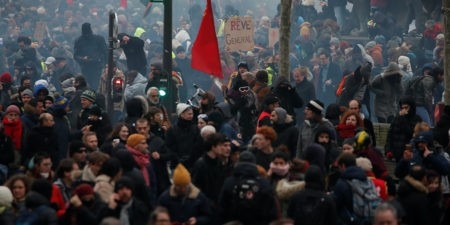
(411, 87)
(365, 200)
(246, 192)
(312, 209)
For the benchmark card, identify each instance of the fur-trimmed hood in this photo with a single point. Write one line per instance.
(193, 191)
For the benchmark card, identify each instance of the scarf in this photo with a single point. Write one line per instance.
(14, 131)
(142, 161)
(346, 131)
(279, 170)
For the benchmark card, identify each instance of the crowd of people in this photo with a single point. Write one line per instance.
(256, 147)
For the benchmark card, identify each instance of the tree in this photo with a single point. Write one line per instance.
(285, 34)
(446, 11)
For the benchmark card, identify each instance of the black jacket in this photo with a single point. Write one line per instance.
(267, 209)
(138, 213)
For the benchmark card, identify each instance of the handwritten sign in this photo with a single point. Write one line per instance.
(239, 34)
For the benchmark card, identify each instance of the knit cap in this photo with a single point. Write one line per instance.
(27, 92)
(89, 95)
(6, 197)
(282, 114)
(181, 107)
(83, 190)
(60, 102)
(364, 163)
(181, 176)
(6, 78)
(12, 109)
(135, 139)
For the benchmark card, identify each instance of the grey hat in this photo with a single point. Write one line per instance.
(27, 92)
(282, 114)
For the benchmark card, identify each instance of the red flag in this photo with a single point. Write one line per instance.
(205, 50)
(69, 2)
(123, 3)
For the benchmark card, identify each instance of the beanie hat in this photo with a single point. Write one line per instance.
(41, 82)
(362, 140)
(75, 146)
(316, 106)
(364, 163)
(247, 156)
(89, 95)
(27, 92)
(282, 114)
(181, 107)
(6, 197)
(12, 109)
(124, 182)
(83, 190)
(6, 78)
(271, 99)
(135, 139)
(181, 176)
(391, 69)
(96, 111)
(370, 45)
(425, 136)
(67, 83)
(60, 102)
(404, 62)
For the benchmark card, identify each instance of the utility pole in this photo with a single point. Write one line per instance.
(446, 12)
(111, 39)
(167, 55)
(285, 34)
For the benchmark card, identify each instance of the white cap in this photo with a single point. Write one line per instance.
(50, 60)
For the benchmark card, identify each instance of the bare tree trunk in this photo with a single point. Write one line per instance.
(285, 34)
(446, 11)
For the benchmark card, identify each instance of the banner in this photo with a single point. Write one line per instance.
(239, 34)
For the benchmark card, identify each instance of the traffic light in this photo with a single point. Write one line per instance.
(117, 89)
(163, 84)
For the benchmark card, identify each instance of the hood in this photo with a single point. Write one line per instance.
(137, 106)
(34, 200)
(315, 155)
(354, 172)
(409, 100)
(139, 79)
(245, 169)
(86, 29)
(323, 129)
(38, 88)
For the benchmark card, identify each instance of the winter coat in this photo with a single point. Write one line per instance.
(401, 130)
(62, 131)
(83, 215)
(424, 93)
(387, 95)
(342, 192)
(138, 213)
(40, 212)
(412, 195)
(287, 134)
(181, 140)
(104, 187)
(208, 175)
(308, 131)
(377, 160)
(266, 210)
(181, 208)
(137, 87)
(6, 150)
(134, 51)
(41, 139)
(327, 207)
